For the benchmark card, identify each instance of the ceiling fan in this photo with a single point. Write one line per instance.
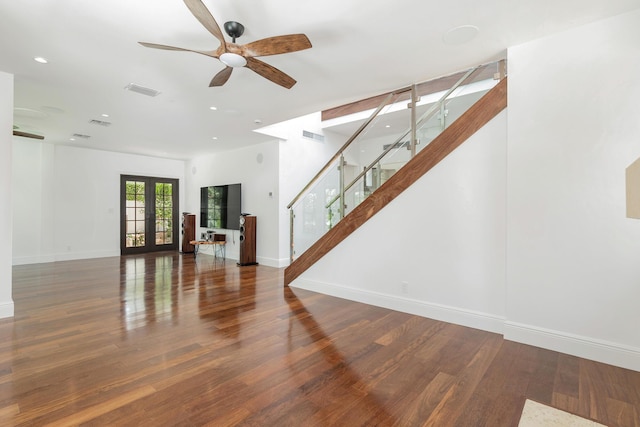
(234, 55)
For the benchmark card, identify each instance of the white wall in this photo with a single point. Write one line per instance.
(68, 203)
(33, 219)
(574, 257)
(437, 250)
(256, 168)
(6, 211)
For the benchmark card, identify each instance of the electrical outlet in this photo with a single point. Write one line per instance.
(404, 286)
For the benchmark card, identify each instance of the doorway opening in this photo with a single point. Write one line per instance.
(148, 214)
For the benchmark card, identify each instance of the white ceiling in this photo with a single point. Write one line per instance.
(360, 48)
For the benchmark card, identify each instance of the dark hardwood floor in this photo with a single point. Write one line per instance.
(163, 340)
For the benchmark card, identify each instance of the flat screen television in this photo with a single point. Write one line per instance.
(220, 206)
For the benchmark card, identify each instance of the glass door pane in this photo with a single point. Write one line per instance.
(135, 214)
(164, 213)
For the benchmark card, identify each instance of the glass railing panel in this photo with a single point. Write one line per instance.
(355, 194)
(376, 174)
(312, 219)
(390, 125)
(428, 129)
(435, 113)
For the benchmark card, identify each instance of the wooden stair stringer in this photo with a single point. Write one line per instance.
(479, 114)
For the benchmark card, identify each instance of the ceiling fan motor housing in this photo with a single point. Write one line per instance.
(234, 29)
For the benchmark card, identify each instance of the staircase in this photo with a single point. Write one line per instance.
(474, 118)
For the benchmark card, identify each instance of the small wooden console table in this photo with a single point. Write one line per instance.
(219, 241)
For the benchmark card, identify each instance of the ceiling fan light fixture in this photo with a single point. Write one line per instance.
(233, 60)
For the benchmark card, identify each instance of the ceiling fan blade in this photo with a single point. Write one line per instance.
(221, 78)
(181, 49)
(27, 134)
(270, 73)
(205, 17)
(276, 45)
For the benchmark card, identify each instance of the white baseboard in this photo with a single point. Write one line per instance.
(6, 309)
(33, 259)
(464, 317)
(273, 262)
(63, 256)
(269, 262)
(69, 256)
(585, 347)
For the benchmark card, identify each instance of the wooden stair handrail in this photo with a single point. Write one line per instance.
(480, 113)
(482, 72)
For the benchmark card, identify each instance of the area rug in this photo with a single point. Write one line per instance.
(536, 414)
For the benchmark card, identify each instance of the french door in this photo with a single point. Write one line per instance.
(148, 214)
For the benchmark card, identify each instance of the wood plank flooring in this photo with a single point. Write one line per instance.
(164, 340)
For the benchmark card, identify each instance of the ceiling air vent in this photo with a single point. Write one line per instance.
(141, 89)
(81, 135)
(406, 144)
(312, 135)
(100, 123)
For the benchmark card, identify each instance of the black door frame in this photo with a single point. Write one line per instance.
(150, 214)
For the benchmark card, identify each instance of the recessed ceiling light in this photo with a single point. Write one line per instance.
(215, 137)
(213, 108)
(388, 126)
(104, 115)
(72, 139)
(40, 59)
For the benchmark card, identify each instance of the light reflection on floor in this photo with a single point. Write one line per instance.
(151, 287)
(147, 301)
